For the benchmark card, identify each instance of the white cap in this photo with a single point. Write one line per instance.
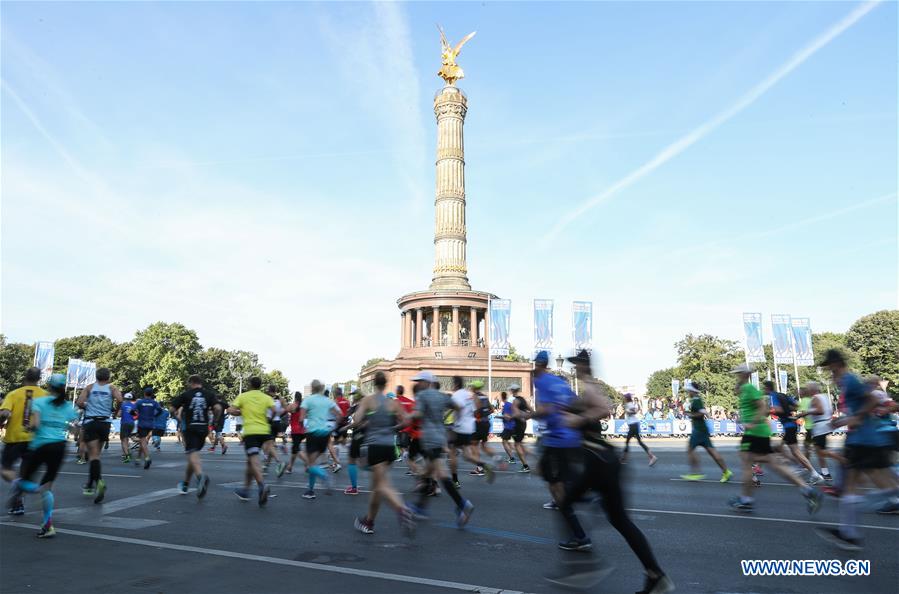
(744, 368)
(514, 387)
(128, 396)
(425, 376)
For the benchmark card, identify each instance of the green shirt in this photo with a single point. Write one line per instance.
(749, 397)
(699, 426)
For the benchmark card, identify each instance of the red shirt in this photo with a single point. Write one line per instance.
(414, 430)
(344, 405)
(296, 427)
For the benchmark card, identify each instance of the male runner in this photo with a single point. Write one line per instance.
(430, 407)
(274, 424)
(147, 408)
(218, 427)
(15, 414)
(482, 411)
(817, 417)
(355, 448)
(381, 415)
(318, 412)
(633, 429)
(253, 406)
(463, 429)
(784, 406)
(507, 411)
(700, 438)
(196, 407)
(97, 400)
(520, 408)
(755, 447)
(601, 473)
(159, 427)
(868, 451)
(126, 425)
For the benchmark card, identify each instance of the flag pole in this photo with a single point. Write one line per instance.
(489, 349)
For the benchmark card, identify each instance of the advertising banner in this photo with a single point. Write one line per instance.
(783, 340)
(802, 342)
(784, 377)
(543, 324)
(72, 373)
(43, 359)
(500, 310)
(752, 334)
(675, 388)
(582, 324)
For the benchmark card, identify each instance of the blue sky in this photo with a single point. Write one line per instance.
(264, 173)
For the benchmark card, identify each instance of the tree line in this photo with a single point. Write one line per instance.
(161, 355)
(871, 345)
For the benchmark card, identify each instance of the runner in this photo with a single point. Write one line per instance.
(159, 427)
(430, 407)
(297, 431)
(755, 447)
(520, 408)
(195, 408)
(318, 412)
(355, 447)
(508, 413)
(126, 414)
(381, 416)
(700, 438)
(147, 409)
(15, 415)
(601, 473)
(633, 430)
(461, 437)
(817, 418)
(218, 427)
(784, 406)
(341, 422)
(50, 418)
(885, 411)
(482, 411)
(97, 400)
(253, 406)
(274, 423)
(408, 435)
(238, 426)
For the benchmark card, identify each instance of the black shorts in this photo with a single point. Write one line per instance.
(378, 454)
(49, 454)
(13, 452)
(507, 434)
(403, 440)
(252, 444)
(95, 431)
(555, 463)
(791, 435)
(868, 457)
(193, 440)
(356, 446)
(144, 431)
(460, 440)
(755, 444)
(518, 435)
(316, 443)
(415, 448)
(481, 431)
(239, 428)
(633, 430)
(297, 439)
(158, 432)
(432, 453)
(277, 428)
(820, 441)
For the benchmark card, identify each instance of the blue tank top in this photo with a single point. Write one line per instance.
(99, 402)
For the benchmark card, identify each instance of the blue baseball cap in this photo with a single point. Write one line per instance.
(57, 380)
(542, 357)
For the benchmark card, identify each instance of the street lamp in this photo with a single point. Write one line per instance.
(559, 362)
(239, 372)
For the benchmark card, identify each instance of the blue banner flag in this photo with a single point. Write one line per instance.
(675, 388)
(582, 324)
(72, 373)
(543, 324)
(500, 311)
(752, 332)
(784, 378)
(87, 374)
(783, 340)
(802, 342)
(43, 359)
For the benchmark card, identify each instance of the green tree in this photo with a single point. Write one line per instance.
(659, 383)
(277, 379)
(15, 358)
(86, 347)
(875, 338)
(125, 369)
(166, 353)
(514, 355)
(371, 362)
(707, 360)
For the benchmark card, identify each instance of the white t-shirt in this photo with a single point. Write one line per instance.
(630, 413)
(465, 417)
(821, 423)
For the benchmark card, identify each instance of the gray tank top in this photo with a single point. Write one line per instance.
(99, 402)
(380, 429)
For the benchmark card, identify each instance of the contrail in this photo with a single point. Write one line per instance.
(686, 141)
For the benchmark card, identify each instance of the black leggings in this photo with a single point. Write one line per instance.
(51, 455)
(602, 473)
(633, 430)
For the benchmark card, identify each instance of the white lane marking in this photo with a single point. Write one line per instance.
(305, 486)
(764, 483)
(736, 516)
(129, 502)
(380, 575)
(104, 474)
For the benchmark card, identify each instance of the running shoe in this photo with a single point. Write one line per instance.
(477, 472)
(833, 536)
(80, 460)
(182, 487)
(491, 475)
(364, 526)
(832, 491)
(812, 500)
(692, 477)
(212, 449)
(202, 486)
(550, 505)
(756, 480)
(126, 459)
(464, 514)
(512, 461)
(46, 531)
(737, 504)
(525, 468)
(580, 575)
(280, 468)
(657, 585)
(457, 484)
(337, 468)
(725, 476)
(418, 513)
(890, 507)
(87, 490)
(147, 463)
(310, 494)
(815, 479)
(827, 476)
(351, 491)
(757, 470)
(653, 460)
(576, 544)
(101, 491)
(242, 494)
(263, 495)
(18, 510)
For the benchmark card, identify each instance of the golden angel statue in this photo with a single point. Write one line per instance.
(450, 72)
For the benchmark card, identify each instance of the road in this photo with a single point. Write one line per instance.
(148, 538)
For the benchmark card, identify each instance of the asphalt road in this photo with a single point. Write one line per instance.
(147, 538)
